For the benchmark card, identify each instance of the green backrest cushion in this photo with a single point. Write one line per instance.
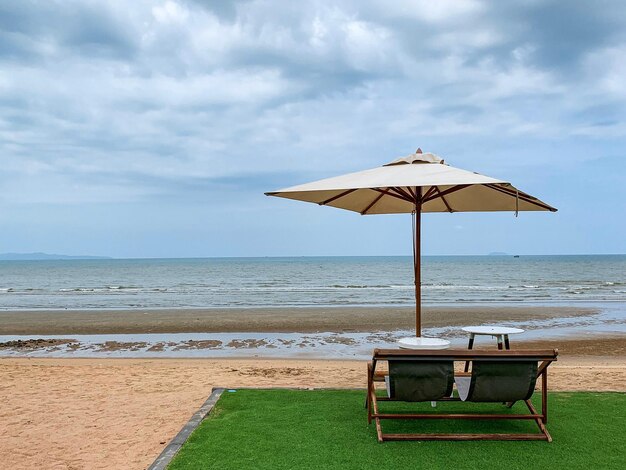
(420, 380)
(502, 381)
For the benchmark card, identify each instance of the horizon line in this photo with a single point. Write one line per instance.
(109, 258)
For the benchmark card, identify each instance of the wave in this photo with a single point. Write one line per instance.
(101, 289)
(296, 282)
(357, 286)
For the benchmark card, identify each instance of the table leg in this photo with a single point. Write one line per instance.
(499, 338)
(470, 345)
(507, 345)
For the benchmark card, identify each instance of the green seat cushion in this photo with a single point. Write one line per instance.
(502, 381)
(420, 380)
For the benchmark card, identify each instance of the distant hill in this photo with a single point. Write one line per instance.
(498, 253)
(43, 256)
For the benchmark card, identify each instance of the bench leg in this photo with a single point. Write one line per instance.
(470, 345)
(544, 395)
(540, 422)
(370, 380)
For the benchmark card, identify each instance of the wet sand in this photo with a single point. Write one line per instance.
(266, 320)
(582, 349)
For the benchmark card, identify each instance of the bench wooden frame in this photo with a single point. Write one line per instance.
(546, 357)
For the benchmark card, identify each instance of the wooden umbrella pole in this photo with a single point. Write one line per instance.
(417, 222)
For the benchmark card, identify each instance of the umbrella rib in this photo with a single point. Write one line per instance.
(403, 193)
(441, 194)
(334, 198)
(523, 196)
(378, 198)
(503, 189)
(430, 192)
(412, 193)
(444, 200)
(389, 193)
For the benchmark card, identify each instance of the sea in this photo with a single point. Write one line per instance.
(246, 283)
(309, 282)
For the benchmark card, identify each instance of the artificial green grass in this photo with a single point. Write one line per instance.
(328, 429)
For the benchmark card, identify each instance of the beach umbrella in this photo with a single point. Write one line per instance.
(421, 182)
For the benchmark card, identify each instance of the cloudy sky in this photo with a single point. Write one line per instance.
(152, 128)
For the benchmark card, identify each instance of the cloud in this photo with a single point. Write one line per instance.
(113, 101)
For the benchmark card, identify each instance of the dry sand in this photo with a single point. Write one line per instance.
(120, 413)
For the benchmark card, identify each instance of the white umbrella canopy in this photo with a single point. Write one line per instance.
(421, 182)
(390, 189)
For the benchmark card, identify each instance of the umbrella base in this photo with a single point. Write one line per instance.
(421, 342)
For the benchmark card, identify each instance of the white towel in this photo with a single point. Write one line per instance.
(463, 386)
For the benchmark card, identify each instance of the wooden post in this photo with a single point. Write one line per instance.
(417, 260)
(544, 395)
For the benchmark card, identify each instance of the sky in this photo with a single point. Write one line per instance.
(153, 128)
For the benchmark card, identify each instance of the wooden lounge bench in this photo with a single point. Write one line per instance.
(428, 376)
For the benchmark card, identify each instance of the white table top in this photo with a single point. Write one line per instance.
(492, 330)
(421, 342)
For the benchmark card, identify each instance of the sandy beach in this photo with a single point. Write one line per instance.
(106, 413)
(120, 413)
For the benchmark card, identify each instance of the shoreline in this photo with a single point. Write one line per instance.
(271, 320)
(592, 348)
(304, 333)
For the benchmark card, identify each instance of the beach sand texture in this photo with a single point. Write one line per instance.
(267, 320)
(96, 413)
(120, 413)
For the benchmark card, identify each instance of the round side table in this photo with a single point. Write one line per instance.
(501, 333)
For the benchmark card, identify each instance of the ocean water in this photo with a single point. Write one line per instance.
(309, 281)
